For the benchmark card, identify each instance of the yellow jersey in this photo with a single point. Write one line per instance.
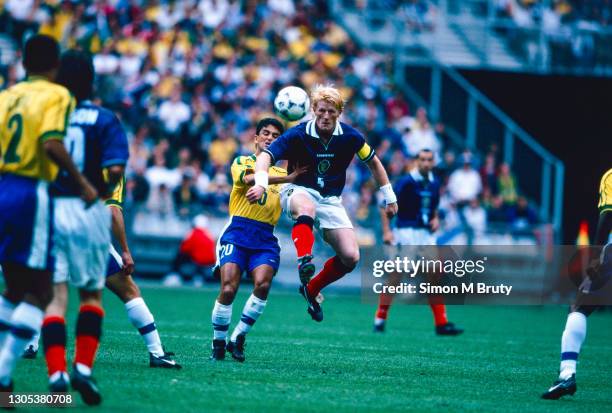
(32, 112)
(268, 208)
(605, 192)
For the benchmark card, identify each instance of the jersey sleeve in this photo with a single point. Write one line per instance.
(364, 151)
(114, 143)
(279, 149)
(117, 196)
(239, 170)
(56, 114)
(605, 193)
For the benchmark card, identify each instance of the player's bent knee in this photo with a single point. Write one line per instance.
(263, 285)
(228, 292)
(350, 260)
(301, 205)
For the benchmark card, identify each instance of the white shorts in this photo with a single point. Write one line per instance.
(413, 236)
(330, 212)
(82, 237)
(411, 243)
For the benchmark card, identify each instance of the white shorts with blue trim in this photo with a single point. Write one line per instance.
(82, 237)
(329, 213)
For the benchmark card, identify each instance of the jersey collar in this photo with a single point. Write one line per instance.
(32, 78)
(416, 175)
(312, 130)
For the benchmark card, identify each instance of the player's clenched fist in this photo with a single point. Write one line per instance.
(391, 210)
(255, 193)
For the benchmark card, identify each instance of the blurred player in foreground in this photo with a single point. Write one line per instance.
(417, 219)
(120, 267)
(248, 244)
(33, 122)
(600, 273)
(119, 280)
(326, 147)
(98, 147)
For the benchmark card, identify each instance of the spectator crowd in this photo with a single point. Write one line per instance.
(189, 79)
(575, 31)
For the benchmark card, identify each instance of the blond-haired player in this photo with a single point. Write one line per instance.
(326, 147)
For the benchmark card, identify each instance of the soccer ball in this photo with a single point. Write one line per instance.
(292, 103)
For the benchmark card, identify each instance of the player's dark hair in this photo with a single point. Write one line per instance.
(76, 73)
(426, 150)
(269, 121)
(41, 53)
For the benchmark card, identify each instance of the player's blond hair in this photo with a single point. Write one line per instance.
(327, 93)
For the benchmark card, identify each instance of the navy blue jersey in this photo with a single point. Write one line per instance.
(417, 200)
(326, 164)
(95, 140)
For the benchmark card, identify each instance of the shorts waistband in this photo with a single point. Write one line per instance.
(16, 177)
(264, 226)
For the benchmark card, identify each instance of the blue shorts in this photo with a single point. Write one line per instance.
(26, 222)
(249, 244)
(248, 259)
(115, 263)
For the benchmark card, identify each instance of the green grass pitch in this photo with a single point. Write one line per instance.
(506, 358)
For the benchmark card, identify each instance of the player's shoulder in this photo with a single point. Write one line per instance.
(88, 112)
(45, 88)
(349, 130)
(299, 129)
(42, 88)
(406, 179)
(104, 113)
(244, 160)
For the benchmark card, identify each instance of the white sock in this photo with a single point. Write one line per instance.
(571, 341)
(6, 312)
(26, 322)
(250, 313)
(143, 320)
(221, 318)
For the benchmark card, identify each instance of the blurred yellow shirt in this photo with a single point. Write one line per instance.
(32, 112)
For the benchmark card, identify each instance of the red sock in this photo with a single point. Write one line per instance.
(54, 343)
(332, 270)
(384, 303)
(436, 302)
(88, 332)
(302, 235)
